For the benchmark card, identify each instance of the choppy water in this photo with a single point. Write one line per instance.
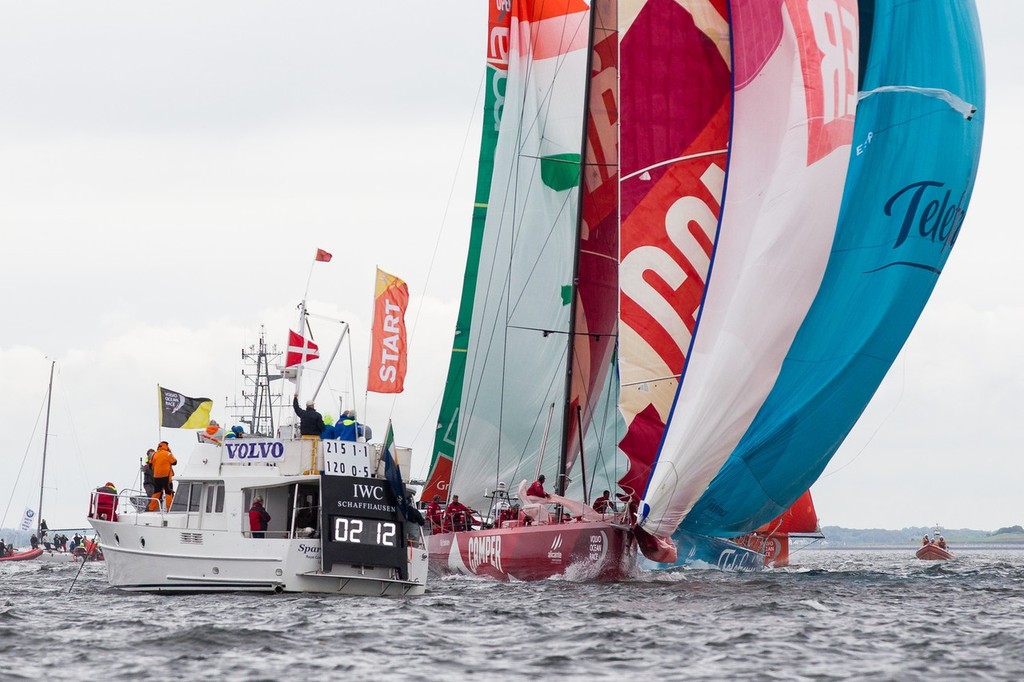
(836, 615)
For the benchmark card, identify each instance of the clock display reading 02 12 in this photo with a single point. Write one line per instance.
(365, 531)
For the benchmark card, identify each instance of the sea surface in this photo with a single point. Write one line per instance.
(834, 614)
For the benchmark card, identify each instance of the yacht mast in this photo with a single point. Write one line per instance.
(46, 437)
(561, 481)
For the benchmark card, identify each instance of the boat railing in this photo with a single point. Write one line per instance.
(268, 534)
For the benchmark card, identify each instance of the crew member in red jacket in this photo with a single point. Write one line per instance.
(435, 515)
(259, 518)
(536, 488)
(458, 515)
(106, 502)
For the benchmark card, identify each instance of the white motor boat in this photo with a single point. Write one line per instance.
(336, 525)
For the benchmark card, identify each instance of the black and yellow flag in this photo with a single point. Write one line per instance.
(178, 411)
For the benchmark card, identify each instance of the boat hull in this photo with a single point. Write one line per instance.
(23, 556)
(577, 551)
(934, 553)
(695, 550)
(52, 557)
(153, 558)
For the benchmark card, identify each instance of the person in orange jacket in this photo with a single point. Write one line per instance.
(214, 433)
(163, 460)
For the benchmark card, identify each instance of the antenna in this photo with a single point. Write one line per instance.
(258, 398)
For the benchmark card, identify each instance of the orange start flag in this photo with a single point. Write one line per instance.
(388, 356)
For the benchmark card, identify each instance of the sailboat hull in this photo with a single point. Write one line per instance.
(695, 550)
(576, 551)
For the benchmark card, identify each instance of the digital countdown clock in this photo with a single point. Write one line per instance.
(363, 524)
(365, 531)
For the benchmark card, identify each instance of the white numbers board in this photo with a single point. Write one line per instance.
(345, 458)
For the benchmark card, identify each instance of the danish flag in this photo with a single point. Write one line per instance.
(300, 350)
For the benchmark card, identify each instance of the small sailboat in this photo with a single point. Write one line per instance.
(45, 550)
(702, 233)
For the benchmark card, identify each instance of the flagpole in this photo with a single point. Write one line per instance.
(301, 329)
(330, 362)
(369, 356)
(302, 315)
(159, 413)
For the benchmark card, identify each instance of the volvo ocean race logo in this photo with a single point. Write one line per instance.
(928, 214)
(484, 550)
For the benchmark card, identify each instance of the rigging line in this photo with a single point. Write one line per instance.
(512, 186)
(892, 411)
(511, 192)
(24, 459)
(552, 231)
(599, 433)
(539, 417)
(423, 425)
(562, 58)
(545, 100)
(666, 162)
(447, 208)
(955, 102)
(629, 384)
(76, 445)
(591, 164)
(559, 332)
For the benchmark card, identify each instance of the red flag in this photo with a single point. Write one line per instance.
(322, 255)
(299, 350)
(388, 355)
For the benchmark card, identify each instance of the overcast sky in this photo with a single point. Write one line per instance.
(167, 171)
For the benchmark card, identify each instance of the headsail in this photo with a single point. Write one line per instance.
(799, 519)
(439, 474)
(911, 176)
(794, 101)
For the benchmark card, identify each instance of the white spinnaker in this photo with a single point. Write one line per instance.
(777, 226)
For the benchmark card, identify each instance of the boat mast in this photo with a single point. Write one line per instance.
(46, 437)
(259, 405)
(561, 482)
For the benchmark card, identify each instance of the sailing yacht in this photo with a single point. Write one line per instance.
(46, 551)
(702, 232)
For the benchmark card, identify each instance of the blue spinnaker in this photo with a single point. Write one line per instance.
(915, 155)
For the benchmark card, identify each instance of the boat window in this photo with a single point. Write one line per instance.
(214, 497)
(187, 497)
(305, 518)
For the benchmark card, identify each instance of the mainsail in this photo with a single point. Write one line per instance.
(517, 354)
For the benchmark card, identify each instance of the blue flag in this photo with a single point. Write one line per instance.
(394, 476)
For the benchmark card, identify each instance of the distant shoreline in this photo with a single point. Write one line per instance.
(955, 547)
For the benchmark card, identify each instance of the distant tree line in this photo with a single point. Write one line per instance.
(841, 537)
